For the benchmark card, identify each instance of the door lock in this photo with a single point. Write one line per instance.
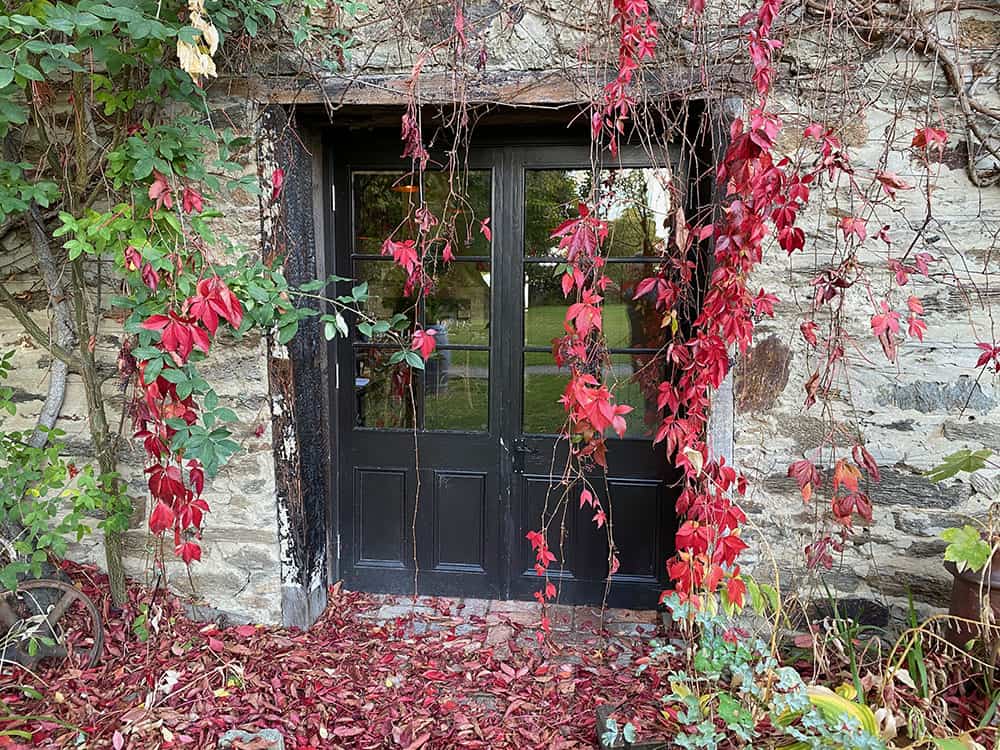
(520, 450)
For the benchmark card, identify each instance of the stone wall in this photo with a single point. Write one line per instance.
(912, 413)
(239, 575)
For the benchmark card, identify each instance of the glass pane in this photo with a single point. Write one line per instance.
(382, 390)
(632, 378)
(385, 289)
(386, 204)
(635, 203)
(544, 305)
(459, 306)
(544, 384)
(457, 390)
(629, 323)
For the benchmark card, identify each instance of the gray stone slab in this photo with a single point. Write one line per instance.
(265, 739)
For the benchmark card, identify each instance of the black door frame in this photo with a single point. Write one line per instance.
(509, 156)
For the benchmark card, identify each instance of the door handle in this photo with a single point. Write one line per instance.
(520, 450)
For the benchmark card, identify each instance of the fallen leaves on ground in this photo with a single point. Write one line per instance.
(418, 682)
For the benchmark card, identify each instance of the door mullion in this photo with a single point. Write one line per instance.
(506, 263)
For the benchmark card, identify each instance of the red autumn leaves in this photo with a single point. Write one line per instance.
(192, 201)
(179, 506)
(176, 486)
(637, 42)
(589, 404)
(847, 500)
(196, 322)
(424, 342)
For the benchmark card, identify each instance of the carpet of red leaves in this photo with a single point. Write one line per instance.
(348, 682)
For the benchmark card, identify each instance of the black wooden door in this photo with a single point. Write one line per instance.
(418, 469)
(476, 473)
(636, 493)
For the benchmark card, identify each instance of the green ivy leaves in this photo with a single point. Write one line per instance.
(959, 461)
(966, 548)
(47, 497)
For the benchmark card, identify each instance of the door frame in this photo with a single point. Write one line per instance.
(512, 156)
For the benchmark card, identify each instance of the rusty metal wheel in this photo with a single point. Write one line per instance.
(49, 619)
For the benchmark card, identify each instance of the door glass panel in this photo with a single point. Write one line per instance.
(544, 384)
(544, 305)
(386, 204)
(634, 380)
(381, 390)
(385, 289)
(636, 205)
(631, 323)
(456, 390)
(628, 323)
(459, 306)
(550, 197)
(634, 202)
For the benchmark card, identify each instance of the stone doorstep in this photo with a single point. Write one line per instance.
(563, 618)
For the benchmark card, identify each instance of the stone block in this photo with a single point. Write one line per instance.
(762, 375)
(265, 739)
(938, 398)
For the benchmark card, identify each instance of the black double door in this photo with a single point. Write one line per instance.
(444, 471)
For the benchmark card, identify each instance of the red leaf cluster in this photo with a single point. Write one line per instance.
(176, 485)
(637, 42)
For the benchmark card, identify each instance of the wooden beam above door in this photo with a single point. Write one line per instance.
(528, 88)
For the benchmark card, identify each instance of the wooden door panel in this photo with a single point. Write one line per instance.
(460, 521)
(636, 494)
(380, 502)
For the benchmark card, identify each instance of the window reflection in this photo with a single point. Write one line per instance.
(382, 390)
(629, 323)
(632, 378)
(457, 391)
(386, 297)
(460, 304)
(634, 202)
(386, 205)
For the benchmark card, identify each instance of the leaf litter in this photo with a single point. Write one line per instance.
(429, 679)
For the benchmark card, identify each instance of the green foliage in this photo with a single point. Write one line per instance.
(738, 685)
(966, 548)
(140, 623)
(132, 163)
(959, 461)
(612, 731)
(17, 193)
(46, 498)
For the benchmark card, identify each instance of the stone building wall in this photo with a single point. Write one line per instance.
(239, 575)
(910, 414)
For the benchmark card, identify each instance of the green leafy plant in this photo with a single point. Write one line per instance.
(968, 547)
(959, 461)
(105, 125)
(739, 693)
(44, 499)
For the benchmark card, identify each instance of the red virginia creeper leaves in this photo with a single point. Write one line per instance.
(424, 342)
(806, 475)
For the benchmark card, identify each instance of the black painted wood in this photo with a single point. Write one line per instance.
(297, 374)
(469, 498)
